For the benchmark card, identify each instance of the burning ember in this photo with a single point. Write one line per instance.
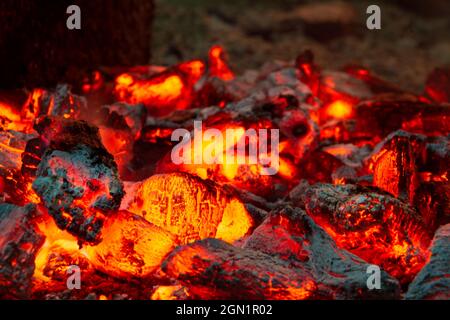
(355, 179)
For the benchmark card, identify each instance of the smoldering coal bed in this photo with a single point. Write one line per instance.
(87, 180)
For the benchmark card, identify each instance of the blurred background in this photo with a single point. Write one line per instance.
(415, 34)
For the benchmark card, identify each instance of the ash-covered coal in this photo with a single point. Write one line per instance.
(77, 179)
(433, 281)
(287, 257)
(371, 224)
(19, 242)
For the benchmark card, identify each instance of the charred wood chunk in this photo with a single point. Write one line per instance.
(433, 281)
(131, 248)
(213, 269)
(19, 243)
(379, 117)
(318, 166)
(292, 236)
(124, 116)
(437, 159)
(371, 224)
(191, 208)
(395, 164)
(432, 199)
(59, 102)
(77, 179)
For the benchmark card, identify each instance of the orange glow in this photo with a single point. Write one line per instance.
(168, 292)
(227, 163)
(32, 106)
(165, 89)
(217, 64)
(194, 70)
(340, 150)
(383, 241)
(131, 246)
(162, 93)
(119, 144)
(6, 111)
(10, 118)
(190, 208)
(56, 240)
(339, 109)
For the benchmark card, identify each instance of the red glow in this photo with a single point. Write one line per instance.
(217, 64)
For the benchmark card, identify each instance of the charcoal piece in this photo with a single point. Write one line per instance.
(132, 247)
(344, 175)
(394, 163)
(296, 195)
(301, 132)
(433, 281)
(318, 166)
(382, 115)
(432, 200)
(123, 116)
(19, 242)
(438, 85)
(292, 236)
(37, 48)
(12, 143)
(77, 179)
(437, 158)
(213, 269)
(371, 224)
(173, 292)
(191, 208)
(340, 85)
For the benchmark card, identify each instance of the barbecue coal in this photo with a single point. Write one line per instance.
(131, 246)
(371, 224)
(191, 208)
(395, 164)
(362, 183)
(433, 281)
(287, 257)
(19, 243)
(77, 178)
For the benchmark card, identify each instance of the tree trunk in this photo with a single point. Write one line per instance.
(37, 48)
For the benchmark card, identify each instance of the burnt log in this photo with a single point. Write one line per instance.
(37, 48)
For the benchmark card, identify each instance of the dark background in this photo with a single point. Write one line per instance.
(36, 49)
(415, 34)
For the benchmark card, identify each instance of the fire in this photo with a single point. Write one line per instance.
(376, 227)
(339, 109)
(225, 161)
(191, 208)
(161, 91)
(10, 118)
(168, 292)
(56, 240)
(131, 246)
(217, 64)
(210, 228)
